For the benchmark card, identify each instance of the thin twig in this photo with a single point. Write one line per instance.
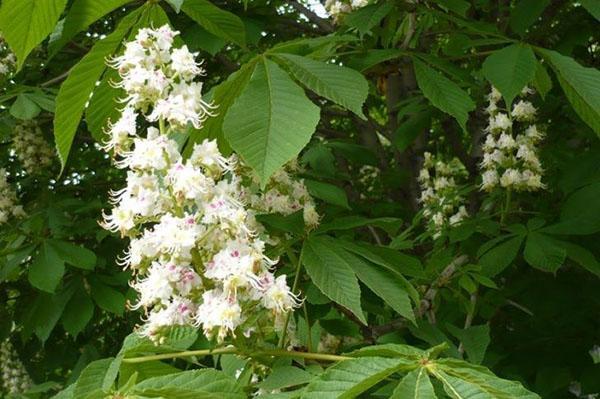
(56, 79)
(440, 281)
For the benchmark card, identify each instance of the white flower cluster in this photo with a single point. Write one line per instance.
(160, 82)
(9, 206)
(7, 58)
(443, 204)
(34, 153)
(15, 379)
(337, 8)
(510, 157)
(285, 195)
(194, 248)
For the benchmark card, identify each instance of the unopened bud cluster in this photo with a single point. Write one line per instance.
(194, 246)
(33, 152)
(510, 157)
(441, 198)
(9, 204)
(285, 194)
(15, 379)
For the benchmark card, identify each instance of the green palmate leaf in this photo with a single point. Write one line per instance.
(47, 269)
(327, 192)
(73, 254)
(75, 90)
(350, 378)
(191, 384)
(223, 96)
(544, 252)
(215, 20)
(330, 272)
(176, 4)
(406, 352)
(463, 381)
(91, 378)
(144, 371)
(25, 23)
(78, 312)
(525, 13)
(443, 93)
(366, 18)
(415, 385)
(271, 121)
(581, 86)
(81, 15)
(387, 285)
(343, 86)
(510, 69)
(501, 256)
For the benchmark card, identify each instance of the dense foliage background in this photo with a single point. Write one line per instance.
(358, 92)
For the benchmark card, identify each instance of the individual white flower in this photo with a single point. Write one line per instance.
(490, 180)
(510, 177)
(500, 121)
(523, 111)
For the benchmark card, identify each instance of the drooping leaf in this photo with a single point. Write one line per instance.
(75, 90)
(443, 93)
(107, 297)
(543, 252)
(327, 192)
(501, 256)
(271, 121)
(592, 6)
(542, 81)
(475, 340)
(525, 13)
(415, 385)
(463, 381)
(26, 23)
(78, 312)
(366, 18)
(350, 378)
(47, 269)
(331, 273)
(510, 69)
(73, 254)
(343, 86)
(581, 86)
(215, 20)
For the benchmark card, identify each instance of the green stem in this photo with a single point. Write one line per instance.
(298, 263)
(309, 334)
(232, 350)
